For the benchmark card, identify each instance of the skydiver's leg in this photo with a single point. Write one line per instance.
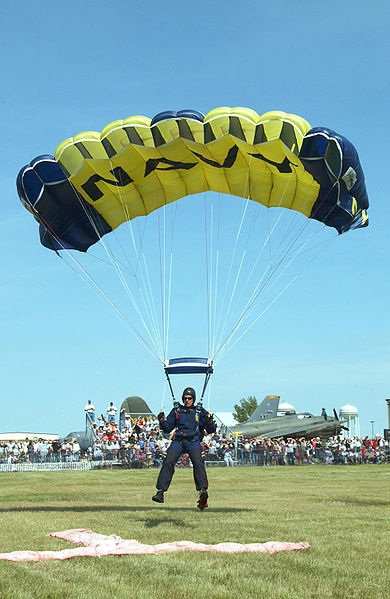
(196, 453)
(168, 468)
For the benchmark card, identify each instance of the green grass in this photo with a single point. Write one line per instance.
(343, 512)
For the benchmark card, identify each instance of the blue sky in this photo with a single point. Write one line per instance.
(71, 67)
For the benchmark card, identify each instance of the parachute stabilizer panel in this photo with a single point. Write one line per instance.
(188, 366)
(136, 165)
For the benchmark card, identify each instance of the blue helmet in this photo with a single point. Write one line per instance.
(189, 391)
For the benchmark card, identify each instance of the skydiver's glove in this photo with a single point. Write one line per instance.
(210, 422)
(161, 417)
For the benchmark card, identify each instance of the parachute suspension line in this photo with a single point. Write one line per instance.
(161, 231)
(163, 399)
(148, 328)
(146, 292)
(260, 288)
(144, 287)
(234, 296)
(223, 348)
(147, 302)
(228, 344)
(165, 275)
(221, 323)
(169, 302)
(216, 283)
(212, 250)
(266, 243)
(211, 269)
(208, 272)
(88, 279)
(233, 291)
(265, 279)
(155, 338)
(231, 287)
(158, 333)
(147, 298)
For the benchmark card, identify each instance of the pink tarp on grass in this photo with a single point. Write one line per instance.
(97, 545)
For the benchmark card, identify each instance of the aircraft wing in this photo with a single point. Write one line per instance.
(296, 427)
(308, 427)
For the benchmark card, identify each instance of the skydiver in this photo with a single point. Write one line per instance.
(190, 421)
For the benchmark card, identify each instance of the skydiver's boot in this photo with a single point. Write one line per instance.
(159, 496)
(202, 501)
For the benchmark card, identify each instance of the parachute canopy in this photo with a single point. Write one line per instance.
(96, 181)
(209, 266)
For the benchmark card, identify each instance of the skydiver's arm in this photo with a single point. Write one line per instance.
(208, 422)
(168, 423)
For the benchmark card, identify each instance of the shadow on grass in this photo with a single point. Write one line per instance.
(117, 508)
(149, 523)
(362, 502)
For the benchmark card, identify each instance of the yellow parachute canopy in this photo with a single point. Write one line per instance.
(234, 151)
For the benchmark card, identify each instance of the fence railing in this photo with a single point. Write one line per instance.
(45, 466)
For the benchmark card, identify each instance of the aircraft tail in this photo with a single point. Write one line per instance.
(267, 409)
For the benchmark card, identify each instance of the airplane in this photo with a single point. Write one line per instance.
(268, 420)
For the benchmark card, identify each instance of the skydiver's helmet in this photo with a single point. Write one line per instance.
(188, 391)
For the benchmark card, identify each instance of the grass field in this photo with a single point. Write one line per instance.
(343, 512)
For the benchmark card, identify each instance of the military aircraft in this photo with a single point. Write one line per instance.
(268, 420)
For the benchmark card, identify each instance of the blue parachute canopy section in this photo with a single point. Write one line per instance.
(188, 366)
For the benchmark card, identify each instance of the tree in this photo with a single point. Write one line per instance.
(245, 410)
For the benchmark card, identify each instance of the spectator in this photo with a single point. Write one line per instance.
(122, 420)
(102, 420)
(228, 456)
(290, 452)
(90, 410)
(75, 450)
(43, 450)
(148, 447)
(111, 412)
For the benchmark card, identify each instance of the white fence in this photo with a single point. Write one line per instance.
(45, 466)
(84, 465)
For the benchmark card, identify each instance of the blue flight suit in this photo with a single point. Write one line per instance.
(190, 424)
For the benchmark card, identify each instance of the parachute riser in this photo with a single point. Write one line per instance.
(189, 366)
(171, 388)
(206, 381)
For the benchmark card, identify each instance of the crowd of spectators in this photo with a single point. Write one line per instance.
(139, 443)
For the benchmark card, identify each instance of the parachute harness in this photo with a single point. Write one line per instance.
(197, 408)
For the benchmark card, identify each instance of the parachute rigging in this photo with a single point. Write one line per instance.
(136, 169)
(189, 366)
